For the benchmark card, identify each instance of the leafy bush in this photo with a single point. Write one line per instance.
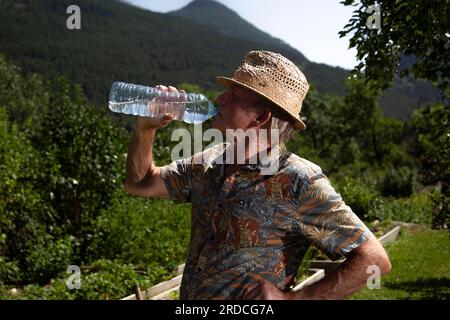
(49, 258)
(142, 231)
(417, 208)
(433, 149)
(9, 271)
(109, 281)
(361, 199)
(61, 160)
(24, 215)
(89, 150)
(398, 182)
(103, 279)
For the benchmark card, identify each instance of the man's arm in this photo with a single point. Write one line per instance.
(341, 283)
(143, 178)
(351, 275)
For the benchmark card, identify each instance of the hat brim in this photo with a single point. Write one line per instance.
(226, 82)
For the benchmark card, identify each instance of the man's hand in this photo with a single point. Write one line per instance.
(265, 290)
(144, 123)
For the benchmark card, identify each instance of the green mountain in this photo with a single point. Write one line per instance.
(216, 15)
(400, 101)
(118, 41)
(220, 18)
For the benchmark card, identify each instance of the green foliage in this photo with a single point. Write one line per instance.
(362, 199)
(416, 29)
(369, 205)
(142, 231)
(417, 208)
(24, 215)
(350, 131)
(118, 41)
(61, 201)
(398, 182)
(374, 133)
(432, 125)
(9, 271)
(47, 258)
(89, 149)
(103, 279)
(61, 160)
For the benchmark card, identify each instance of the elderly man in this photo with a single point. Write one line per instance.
(250, 230)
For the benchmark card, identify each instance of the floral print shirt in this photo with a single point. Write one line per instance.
(252, 226)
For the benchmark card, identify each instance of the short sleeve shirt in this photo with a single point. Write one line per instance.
(253, 226)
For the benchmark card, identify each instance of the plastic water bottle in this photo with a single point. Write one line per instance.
(151, 102)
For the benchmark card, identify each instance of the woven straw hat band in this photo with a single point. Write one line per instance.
(275, 78)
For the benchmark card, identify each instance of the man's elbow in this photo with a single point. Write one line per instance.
(129, 187)
(373, 253)
(380, 258)
(148, 188)
(384, 263)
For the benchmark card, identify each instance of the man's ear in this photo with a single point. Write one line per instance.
(263, 117)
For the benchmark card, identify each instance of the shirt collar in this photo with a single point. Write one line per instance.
(268, 161)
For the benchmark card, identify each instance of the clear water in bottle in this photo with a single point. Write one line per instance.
(145, 101)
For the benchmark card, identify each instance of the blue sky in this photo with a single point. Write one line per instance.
(310, 26)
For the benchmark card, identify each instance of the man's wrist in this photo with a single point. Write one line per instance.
(144, 131)
(145, 127)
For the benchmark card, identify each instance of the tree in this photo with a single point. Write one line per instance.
(89, 149)
(418, 30)
(61, 162)
(322, 140)
(432, 125)
(23, 213)
(374, 133)
(347, 131)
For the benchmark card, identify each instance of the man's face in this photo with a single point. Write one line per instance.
(236, 109)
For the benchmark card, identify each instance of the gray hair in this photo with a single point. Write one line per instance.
(281, 121)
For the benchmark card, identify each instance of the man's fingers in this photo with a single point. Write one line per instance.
(169, 88)
(253, 292)
(162, 88)
(167, 116)
(165, 120)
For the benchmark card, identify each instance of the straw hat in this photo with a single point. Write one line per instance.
(273, 77)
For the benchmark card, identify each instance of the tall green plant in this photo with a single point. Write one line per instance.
(432, 125)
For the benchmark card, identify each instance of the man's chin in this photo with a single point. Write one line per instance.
(217, 126)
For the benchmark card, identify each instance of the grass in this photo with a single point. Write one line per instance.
(420, 267)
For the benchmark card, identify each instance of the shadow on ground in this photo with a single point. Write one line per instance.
(428, 288)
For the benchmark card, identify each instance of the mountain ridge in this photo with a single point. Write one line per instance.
(224, 20)
(118, 41)
(410, 92)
